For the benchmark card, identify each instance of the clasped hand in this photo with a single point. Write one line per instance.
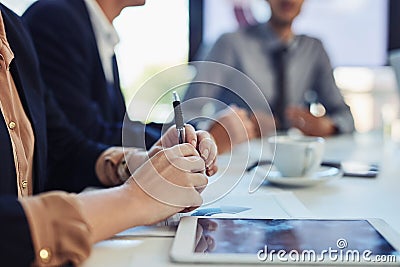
(170, 177)
(200, 140)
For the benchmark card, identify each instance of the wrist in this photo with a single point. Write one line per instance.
(131, 193)
(146, 209)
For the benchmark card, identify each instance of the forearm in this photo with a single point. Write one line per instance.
(64, 226)
(113, 210)
(110, 211)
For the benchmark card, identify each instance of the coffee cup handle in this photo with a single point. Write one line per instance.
(310, 158)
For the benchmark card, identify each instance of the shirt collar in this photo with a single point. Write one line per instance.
(5, 49)
(102, 27)
(271, 39)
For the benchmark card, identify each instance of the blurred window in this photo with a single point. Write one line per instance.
(355, 33)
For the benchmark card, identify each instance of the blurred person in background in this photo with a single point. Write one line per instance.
(293, 72)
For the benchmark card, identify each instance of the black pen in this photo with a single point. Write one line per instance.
(180, 126)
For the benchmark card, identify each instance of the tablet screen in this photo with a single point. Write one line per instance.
(250, 236)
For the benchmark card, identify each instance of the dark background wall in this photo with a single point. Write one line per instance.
(195, 26)
(394, 24)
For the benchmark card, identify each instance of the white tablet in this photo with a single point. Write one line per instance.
(286, 241)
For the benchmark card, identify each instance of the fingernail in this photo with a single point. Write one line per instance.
(206, 153)
(193, 143)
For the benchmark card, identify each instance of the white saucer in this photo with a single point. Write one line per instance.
(323, 175)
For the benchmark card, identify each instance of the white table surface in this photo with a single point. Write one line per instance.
(344, 198)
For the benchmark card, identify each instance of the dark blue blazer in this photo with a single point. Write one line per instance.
(71, 66)
(54, 139)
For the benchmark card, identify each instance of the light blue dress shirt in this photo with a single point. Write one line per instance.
(250, 50)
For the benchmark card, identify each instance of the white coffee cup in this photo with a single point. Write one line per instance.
(298, 156)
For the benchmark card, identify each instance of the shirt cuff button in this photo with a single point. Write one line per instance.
(12, 125)
(45, 255)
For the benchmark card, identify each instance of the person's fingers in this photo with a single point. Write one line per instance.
(297, 116)
(233, 107)
(211, 245)
(169, 138)
(199, 233)
(190, 135)
(200, 189)
(298, 122)
(294, 111)
(198, 180)
(173, 187)
(242, 113)
(189, 164)
(306, 122)
(209, 225)
(202, 245)
(175, 155)
(212, 170)
(171, 177)
(190, 209)
(201, 182)
(207, 148)
(182, 150)
(193, 201)
(196, 200)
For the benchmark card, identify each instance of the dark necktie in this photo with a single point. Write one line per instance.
(279, 59)
(115, 94)
(115, 72)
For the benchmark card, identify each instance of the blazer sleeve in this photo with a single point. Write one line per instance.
(72, 157)
(65, 50)
(16, 247)
(329, 94)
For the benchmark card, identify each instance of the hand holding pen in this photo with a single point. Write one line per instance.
(201, 140)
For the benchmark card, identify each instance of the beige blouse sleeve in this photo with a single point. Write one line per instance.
(60, 232)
